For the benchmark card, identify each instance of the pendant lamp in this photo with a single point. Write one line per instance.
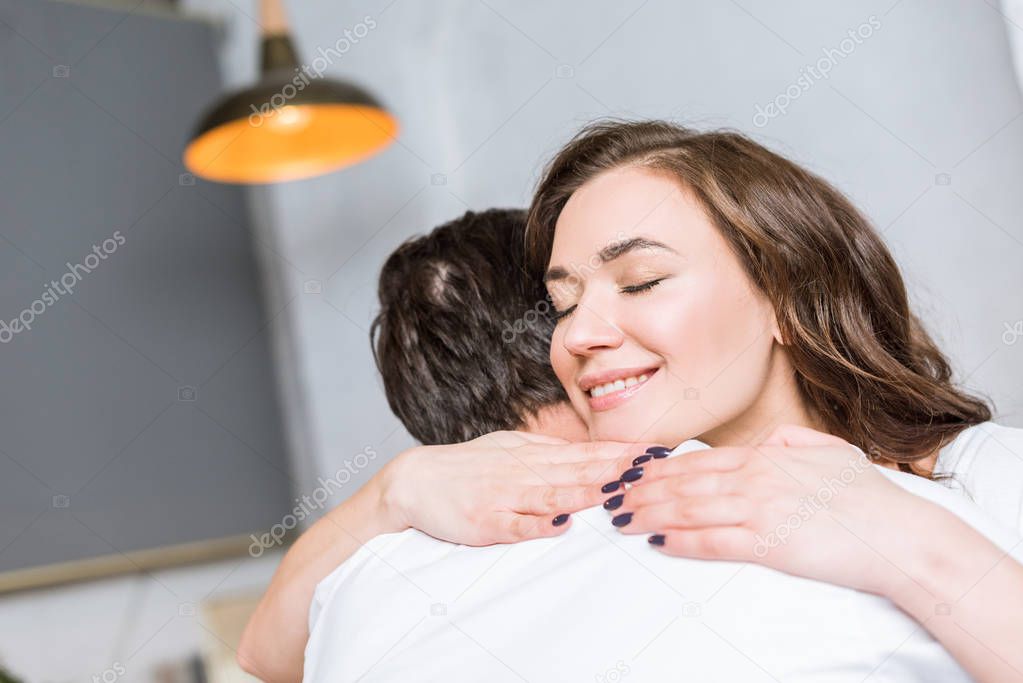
(292, 124)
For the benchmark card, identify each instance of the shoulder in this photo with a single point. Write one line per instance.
(374, 552)
(986, 462)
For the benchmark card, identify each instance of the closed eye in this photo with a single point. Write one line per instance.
(646, 286)
(628, 289)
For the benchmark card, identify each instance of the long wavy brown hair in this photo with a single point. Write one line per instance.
(864, 363)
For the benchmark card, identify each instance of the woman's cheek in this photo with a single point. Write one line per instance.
(665, 321)
(664, 325)
(564, 367)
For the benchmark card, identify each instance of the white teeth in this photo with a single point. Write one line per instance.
(617, 385)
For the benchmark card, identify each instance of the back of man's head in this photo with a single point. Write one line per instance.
(462, 339)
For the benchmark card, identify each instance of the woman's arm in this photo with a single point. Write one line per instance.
(503, 487)
(968, 593)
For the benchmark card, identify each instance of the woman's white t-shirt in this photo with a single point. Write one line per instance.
(986, 463)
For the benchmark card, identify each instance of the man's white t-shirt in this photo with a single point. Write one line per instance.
(597, 605)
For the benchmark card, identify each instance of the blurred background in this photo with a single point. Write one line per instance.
(184, 330)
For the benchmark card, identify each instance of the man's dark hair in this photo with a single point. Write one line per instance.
(462, 339)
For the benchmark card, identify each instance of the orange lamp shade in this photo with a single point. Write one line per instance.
(261, 135)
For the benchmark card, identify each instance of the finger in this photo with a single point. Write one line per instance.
(685, 513)
(715, 543)
(541, 438)
(551, 500)
(513, 439)
(670, 488)
(587, 473)
(794, 435)
(533, 461)
(504, 439)
(595, 450)
(706, 460)
(511, 527)
(579, 464)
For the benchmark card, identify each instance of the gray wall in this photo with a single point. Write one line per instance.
(920, 123)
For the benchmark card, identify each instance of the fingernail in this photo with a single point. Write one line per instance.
(614, 502)
(610, 486)
(659, 451)
(632, 474)
(642, 459)
(560, 519)
(622, 519)
(656, 539)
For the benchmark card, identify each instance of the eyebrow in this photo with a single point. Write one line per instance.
(612, 252)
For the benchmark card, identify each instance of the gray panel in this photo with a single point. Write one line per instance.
(140, 408)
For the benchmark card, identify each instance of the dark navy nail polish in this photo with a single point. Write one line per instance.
(610, 486)
(622, 519)
(632, 474)
(614, 502)
(560, 519)
(656, 539)
(642, 459)
(659, 451)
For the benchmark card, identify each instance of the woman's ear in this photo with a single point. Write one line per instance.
(776, 331)
(770, 317)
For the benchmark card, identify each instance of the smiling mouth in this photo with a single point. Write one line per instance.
(611, 389)
(619, 385)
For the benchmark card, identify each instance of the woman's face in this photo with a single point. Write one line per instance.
(663, 337)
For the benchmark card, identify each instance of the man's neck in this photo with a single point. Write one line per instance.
(558, 420)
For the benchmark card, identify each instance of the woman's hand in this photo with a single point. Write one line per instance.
(503, 487)
(802, 502)
(811, 505)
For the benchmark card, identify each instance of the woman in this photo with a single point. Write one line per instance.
(707, 288)
(720, 272)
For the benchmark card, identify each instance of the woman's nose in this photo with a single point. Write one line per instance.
(588, 331)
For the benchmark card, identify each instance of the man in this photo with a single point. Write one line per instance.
(587, 603)
(462, 342)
